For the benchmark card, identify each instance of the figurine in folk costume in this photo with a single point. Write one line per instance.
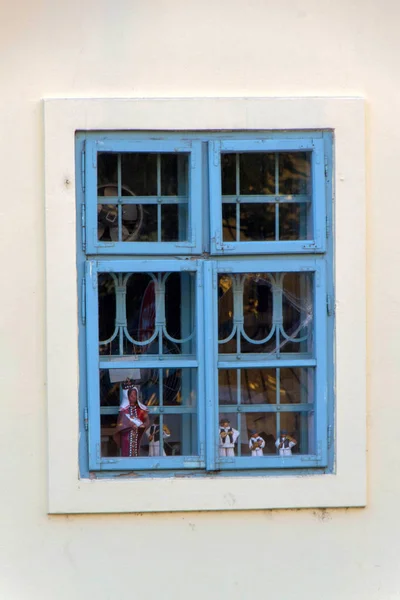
(227, 438)
(153, 433)
(285, 443)
(256, 443)
(133, 419)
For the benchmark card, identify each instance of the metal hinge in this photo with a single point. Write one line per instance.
(326, 166)
(328, 227)
(83, 164)
(329, 436)
(83, 301)
(83, 223)
(85, 418)
(329, 305)
(330, 308)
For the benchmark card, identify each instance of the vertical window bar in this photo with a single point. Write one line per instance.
(276, 193)
(237, 197)
(119, 198)
(239, 414)
(121, 306)
(278, 401)
(159, 197)
(161, 434)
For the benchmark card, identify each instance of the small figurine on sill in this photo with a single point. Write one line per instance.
(227, 438)
(256, 443)
(285, 443)
(153, 433)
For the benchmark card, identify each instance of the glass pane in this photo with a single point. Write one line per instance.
(296, 433)
(229, 222)
(170, 221)
(257, 222)
(156, 178)
(250, 319)
(228, 174)
(294, 221)
(138, 223)
(132, 322)
(267, 174)
(257, 173)
(139, 173)
(247, 386)
(258, 314)
(296, 385)
(295, 173)
(120, 437)
(179, 436)
(107, 222)
(107, 169)
(297, 312)
(127, 416)
(246, 434)
(174, 174)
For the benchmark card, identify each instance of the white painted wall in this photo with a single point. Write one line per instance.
(208, 48)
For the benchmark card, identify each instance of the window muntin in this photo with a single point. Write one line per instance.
(148, 196)
(268, 195)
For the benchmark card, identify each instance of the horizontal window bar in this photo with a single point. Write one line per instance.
(266, 199)
(147, 363)
(142, 199)
(249, 361)
(266, 408)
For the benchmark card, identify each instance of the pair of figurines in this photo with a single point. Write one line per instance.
(228, 437)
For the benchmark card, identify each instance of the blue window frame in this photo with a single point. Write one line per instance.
(201, 300)
(138, 211)
(271, 198)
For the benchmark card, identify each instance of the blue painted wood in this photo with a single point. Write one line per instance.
(277, 257)
(316, 244)
(192, 245)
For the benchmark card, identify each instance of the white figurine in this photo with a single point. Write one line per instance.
(256, 443)
(153, 433)
(285, 444)
(227, 438)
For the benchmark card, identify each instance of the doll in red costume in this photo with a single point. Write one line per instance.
(133, 420)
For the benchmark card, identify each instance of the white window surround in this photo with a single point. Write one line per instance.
(347, 487)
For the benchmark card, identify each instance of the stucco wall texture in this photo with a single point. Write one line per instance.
(186, 48)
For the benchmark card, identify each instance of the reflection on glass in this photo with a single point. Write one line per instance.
(139, 173)
(228, 173)
(247, 386)
(285, 385)
(296, 385)
(229, 222)
(257, 173)
(257, 222)
(294, 222)
(295, 173)
(128, 322)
